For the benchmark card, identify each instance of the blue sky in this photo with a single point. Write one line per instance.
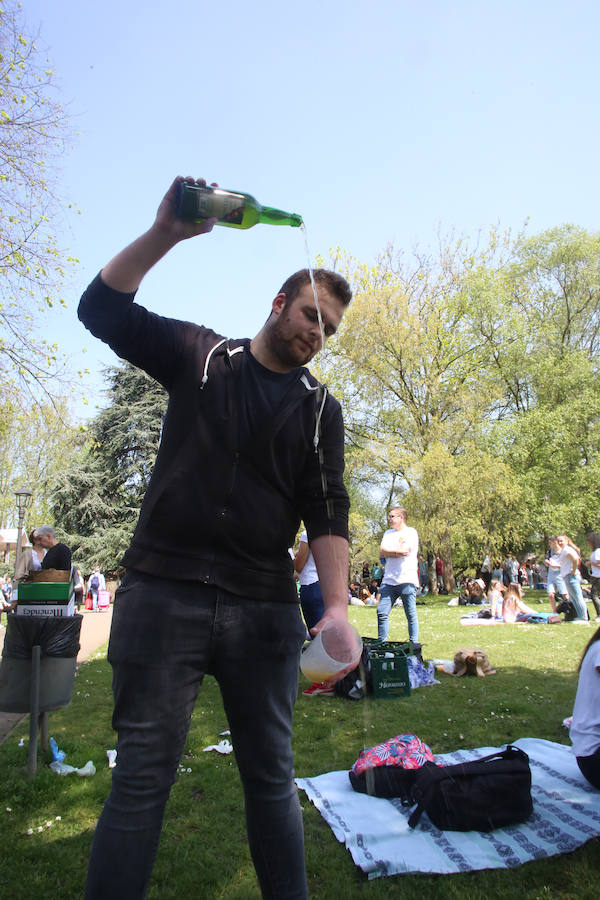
(376, 121)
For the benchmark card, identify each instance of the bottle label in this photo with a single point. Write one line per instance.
(224, 206)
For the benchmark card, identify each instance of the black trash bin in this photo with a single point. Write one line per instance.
(58, 639)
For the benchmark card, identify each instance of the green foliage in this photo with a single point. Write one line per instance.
(469, 383)
(36, 442)
(98, 497)
(33, 139)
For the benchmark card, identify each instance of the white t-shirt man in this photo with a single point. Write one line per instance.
(401, 569)
(595, 563)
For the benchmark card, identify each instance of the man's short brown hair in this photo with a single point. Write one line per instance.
(334, 283)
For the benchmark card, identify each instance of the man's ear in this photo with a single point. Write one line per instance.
(278, 304)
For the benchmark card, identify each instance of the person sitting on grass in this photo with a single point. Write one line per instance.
(368, 596)
(496, 597)
(513, 608)
(585, 725)
(464, 597)
(477, 592)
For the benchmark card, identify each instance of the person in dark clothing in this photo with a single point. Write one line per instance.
(58, 556)
(251, 444)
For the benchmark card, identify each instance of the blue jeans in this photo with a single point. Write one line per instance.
(312, 603)
(575, 596)
(165, 636)
(389, 594)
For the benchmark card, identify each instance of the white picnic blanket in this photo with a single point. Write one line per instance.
(566, 814)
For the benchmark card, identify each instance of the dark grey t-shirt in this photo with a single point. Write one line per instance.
(262, 394)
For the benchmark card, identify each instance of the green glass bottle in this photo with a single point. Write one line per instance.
(231, 208)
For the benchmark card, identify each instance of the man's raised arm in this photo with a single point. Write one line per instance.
(127, 269)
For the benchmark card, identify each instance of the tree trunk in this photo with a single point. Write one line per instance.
(433, 588)
(449, 579)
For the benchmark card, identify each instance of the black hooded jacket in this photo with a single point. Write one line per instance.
(219, 509)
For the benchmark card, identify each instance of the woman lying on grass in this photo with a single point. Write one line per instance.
(585, 727)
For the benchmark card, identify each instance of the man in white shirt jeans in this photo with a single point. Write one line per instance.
(400, 547)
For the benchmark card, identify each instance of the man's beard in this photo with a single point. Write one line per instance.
(285, 348)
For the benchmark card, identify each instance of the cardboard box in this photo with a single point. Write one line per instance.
(50, 575)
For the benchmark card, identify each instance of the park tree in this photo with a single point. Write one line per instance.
(97, 498)
(34, 134)
(542, 335)
(469, 383)
(413, 377)
(36, 442)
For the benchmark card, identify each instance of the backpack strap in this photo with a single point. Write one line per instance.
(430, 775)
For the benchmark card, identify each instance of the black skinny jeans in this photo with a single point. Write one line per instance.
(165, 636)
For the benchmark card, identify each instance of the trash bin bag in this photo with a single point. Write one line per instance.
(56, 684)
(57, 637)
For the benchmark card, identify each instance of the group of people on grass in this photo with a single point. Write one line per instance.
(564, 579)
(506, 605)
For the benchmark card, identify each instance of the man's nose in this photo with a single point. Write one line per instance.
(315, 332)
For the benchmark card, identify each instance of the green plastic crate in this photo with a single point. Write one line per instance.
(375, 644)
(389, 669)
(44, 592)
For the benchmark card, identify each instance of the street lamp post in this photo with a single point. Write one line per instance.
(24, 498)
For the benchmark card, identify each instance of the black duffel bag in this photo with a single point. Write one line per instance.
(482, 795)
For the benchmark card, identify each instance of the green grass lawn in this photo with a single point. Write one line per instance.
(203, 852)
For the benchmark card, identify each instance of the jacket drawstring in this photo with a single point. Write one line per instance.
(323, 391)
(207, 362)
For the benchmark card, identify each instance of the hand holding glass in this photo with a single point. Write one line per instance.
(337, 646)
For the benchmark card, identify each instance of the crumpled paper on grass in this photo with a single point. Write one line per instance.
(223, 746)
(62, 768)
